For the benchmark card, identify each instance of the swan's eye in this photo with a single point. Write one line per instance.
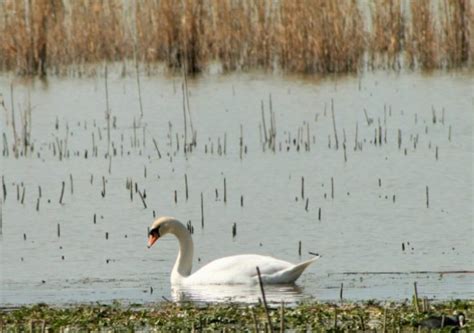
(155, 232)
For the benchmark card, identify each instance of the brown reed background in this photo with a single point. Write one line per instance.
(302, 36)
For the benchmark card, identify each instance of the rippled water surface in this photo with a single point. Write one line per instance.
(363, 207)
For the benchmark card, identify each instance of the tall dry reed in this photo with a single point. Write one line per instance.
(422, 36)
(305, 36)
(387, 33)
(456, 29)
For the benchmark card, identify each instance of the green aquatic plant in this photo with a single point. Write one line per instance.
(312, 316)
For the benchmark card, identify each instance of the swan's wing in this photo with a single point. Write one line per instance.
(241, 269)
(289, 275)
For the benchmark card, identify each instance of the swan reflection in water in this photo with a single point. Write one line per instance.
(289, 293)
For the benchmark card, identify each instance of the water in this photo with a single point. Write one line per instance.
(378, 204)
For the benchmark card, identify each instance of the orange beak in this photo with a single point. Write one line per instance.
(151, 240)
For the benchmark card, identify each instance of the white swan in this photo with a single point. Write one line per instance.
(240, 269)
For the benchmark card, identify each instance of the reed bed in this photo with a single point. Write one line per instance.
(305, 36)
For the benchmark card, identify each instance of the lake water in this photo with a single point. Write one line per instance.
(375, 230)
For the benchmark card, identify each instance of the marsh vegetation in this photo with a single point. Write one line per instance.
(309, 36)
(361, 317)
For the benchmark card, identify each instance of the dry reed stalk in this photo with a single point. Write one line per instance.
(305, 36)
(456, 26)
(387, 32)
(264, 299)
(421, 38)
(330, 40)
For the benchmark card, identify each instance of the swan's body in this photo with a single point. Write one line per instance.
(239, 269)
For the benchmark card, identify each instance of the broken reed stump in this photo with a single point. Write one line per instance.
(341, 293)
(156, 147)
(62, 193)
(234, 230)
(202, 211)
(23, 195)
(302, 187)
(332, 188)
(142, 198)
(225, 191)
(262, 290)
(4, 187)
(264, 124)
(427, 197)
(415, 296)
(103, 187)
(241, 141)
(186, 185)
(334, 124)
(399, 139)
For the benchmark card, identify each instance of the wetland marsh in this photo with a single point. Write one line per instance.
(386, 203)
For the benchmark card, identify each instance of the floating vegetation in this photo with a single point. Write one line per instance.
(166, 317)
(307, 36)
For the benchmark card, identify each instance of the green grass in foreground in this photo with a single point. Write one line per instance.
(168, 317)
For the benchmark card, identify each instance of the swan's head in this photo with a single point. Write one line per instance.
(159, 228)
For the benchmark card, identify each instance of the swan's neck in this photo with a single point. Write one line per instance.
(184, 262)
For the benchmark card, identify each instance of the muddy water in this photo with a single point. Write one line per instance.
(373, 227)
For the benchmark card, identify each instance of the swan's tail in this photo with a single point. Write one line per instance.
(290, 275)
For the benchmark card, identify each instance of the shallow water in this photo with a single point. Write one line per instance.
(378, 203)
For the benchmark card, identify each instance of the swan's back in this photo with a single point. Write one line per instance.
(241, 269)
